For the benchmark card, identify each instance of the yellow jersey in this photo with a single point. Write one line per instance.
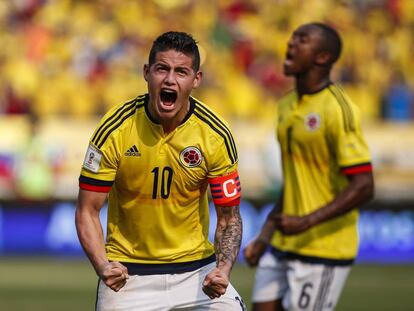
(158, 204)
(321, 142)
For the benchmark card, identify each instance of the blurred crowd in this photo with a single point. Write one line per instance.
(76, 58)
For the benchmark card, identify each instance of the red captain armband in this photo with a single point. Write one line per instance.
(226, 190)
(357, 169)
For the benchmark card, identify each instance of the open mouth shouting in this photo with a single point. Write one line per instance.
(288, 59)
(168, 98)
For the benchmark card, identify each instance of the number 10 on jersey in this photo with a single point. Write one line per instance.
(163, 183)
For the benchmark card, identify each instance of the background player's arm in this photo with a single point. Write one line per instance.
(350, 149)
(89, 229)
(227, 242)
(359, 191)
(256, 248)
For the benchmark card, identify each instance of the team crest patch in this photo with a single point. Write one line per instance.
(312, 121)
(191, 157)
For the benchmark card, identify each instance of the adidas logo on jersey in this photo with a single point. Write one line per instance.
(133, 152)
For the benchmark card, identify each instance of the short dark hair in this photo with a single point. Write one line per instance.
(332, 40)
(179, 41)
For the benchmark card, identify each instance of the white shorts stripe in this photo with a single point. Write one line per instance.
(300, 286)
(327, 277)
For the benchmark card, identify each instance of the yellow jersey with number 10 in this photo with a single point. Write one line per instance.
(158, 203)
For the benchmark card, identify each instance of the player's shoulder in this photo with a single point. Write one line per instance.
(216, 127)
(342, 106)
(339, 96)
(116, 118)
(208, 117)
(340, 102)
(126, 107)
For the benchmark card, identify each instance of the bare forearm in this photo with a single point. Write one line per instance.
(91, 238)
(228, 237)
(267, 231)
(359, 191)
(269, 226)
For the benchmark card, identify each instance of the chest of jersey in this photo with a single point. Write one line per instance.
(154, 165)
(302, 129)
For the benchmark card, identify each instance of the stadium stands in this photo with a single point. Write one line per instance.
(67, 61)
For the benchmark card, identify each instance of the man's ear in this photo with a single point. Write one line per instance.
(323, 59)
(145, 72)
(197, 80)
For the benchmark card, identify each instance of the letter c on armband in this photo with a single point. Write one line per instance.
(226, 190)
(229, 184)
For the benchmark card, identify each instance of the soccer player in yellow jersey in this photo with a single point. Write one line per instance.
(312, 232)
(156, 156)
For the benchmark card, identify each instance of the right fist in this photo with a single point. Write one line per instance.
(114, 275)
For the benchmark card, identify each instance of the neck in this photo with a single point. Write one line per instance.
(169, 123)
(169, 126)
(312, 83)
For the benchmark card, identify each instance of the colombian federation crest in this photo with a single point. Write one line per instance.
(191, 157)
(312, 121)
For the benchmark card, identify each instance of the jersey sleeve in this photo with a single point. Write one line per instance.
(223, 176)
(101, 161)
(221, 162)
(347, 140)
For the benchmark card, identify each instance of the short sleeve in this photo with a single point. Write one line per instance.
(223, 178)
(346, 138)
(101, 161)
(224, 159)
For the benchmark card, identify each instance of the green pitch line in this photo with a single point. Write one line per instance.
(46, 284)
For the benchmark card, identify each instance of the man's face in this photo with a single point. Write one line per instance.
(170, 80)
(302, 51)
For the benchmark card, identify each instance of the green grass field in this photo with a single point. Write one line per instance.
(46, 284)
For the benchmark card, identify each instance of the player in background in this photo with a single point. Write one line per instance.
(156, 155)
(311, 233)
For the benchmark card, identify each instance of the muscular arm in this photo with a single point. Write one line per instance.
(227, 242)
(89, 229)
(359, 191)
(228, 237)
(88, 226)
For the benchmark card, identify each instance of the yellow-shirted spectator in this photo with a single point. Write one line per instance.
(73, 40)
